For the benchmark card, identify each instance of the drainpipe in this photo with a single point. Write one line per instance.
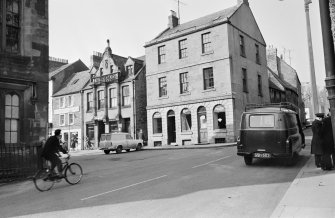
(329, 55)
(82, 118)
(134, 110)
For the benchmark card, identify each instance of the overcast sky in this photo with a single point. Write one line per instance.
(79, 27)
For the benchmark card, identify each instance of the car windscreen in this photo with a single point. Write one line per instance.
(261, 121)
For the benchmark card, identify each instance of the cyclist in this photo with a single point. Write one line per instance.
(51, 151)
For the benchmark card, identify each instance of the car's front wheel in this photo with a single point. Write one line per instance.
(106, 151)
(138, 147)
(119, 149)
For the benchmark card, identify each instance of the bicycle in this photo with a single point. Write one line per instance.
(44, 179)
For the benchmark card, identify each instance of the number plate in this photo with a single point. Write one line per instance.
(262, 155)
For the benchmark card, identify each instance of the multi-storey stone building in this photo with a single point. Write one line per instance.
(60, 72)
(287, 80)
(24, 53)
(201, 74)
(115, 97)
(68, 111)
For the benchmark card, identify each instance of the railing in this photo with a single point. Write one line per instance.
(19, 161)
(280, 105)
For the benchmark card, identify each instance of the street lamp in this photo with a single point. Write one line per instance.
(315, 103)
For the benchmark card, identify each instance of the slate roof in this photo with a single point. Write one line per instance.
(63, 67)
(75, 83)
(200, 23)
(277, 83)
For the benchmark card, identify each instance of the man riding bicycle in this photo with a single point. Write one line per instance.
(51, 151)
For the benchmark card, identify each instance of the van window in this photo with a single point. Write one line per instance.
(292, 120)
(102, 138)
(108, 137)
(261, 120)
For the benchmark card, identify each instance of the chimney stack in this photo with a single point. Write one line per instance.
(239, 2)
(173, 20)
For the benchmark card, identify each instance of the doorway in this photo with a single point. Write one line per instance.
(202, 125)
(171, 127)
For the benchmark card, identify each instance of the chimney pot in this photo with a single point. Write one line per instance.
(173, 20)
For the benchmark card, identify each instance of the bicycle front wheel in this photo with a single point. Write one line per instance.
(73, 173)
(42, 180)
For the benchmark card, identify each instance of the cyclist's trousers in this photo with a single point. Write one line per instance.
(55, 161)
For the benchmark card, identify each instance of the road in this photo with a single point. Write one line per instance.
(211, 182)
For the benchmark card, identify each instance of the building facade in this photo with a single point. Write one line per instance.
(60, 71)
(286, 79)
(115, 97)
(24, 53)
(201, 74)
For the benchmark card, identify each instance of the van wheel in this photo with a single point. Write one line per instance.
(127, 150)
(119, 149)
(106, 151)
(248, 160)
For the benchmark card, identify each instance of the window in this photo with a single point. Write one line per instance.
(208, 78)
(162, 86)
(244, 80)
(125, 96)
(71, 119)
(130, 69)
(157, 123)
(161, 54)
(264, 120)
(259, 79)
(62, 119)
(186, 120)
(101, 99)
(113, 127)
(182, 49)
(89, 101)
(12, 106)
(62, 102)
(113, 98)
(242, 46)
(70, 100)
(9, 25)
(258, 60)
(183, 83)
(206, 43)
(219, 116)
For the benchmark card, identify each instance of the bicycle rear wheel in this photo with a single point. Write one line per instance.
(42, 180)
(73, 173)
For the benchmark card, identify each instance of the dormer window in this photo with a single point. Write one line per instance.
(130, 69)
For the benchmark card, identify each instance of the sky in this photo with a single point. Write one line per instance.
(79, 27)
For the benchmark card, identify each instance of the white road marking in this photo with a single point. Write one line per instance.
(93, 196)
(211, 162)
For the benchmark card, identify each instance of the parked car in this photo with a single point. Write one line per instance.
(118, 142)
(270, 131)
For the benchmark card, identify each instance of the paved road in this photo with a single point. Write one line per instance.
(167, 183)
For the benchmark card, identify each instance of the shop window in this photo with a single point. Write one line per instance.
(186, 120)
(157, 144)
(157, 123)
(219, 116)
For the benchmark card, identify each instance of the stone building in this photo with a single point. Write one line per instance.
(115, 97)
(201, 74)
(60, 71)
(24, 53)
(285, 85)
(67, 108)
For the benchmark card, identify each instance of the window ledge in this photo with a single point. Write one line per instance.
(187, 133)
(207, 53)
(158, 135)
(209, 90)
(220, 130)
(126, 106)
(164, 97)
(186, 93)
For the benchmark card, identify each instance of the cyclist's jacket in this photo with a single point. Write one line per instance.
(52, 146)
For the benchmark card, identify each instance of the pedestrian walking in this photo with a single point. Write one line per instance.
(316, 145)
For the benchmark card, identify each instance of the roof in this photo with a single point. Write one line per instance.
(75, 83)
(278, 82)
(63, 67)
(197, 24)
